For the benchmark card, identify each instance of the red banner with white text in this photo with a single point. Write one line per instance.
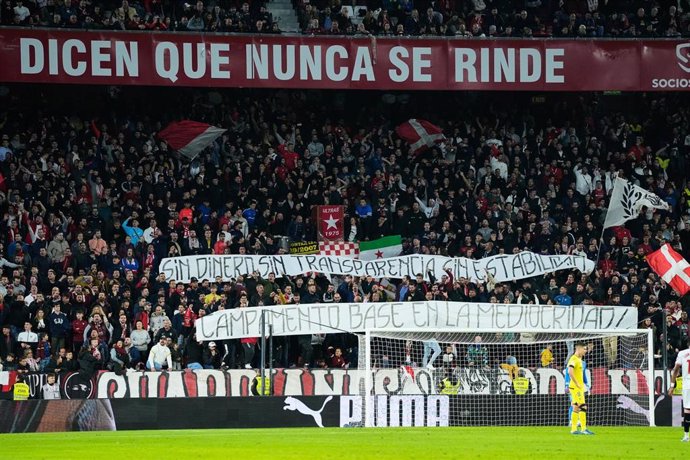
(170, 59)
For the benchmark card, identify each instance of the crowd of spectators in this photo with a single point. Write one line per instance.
(155, 15)
(91, 202)
(499, 18)
(470, 18)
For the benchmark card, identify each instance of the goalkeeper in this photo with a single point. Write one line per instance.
(577, 390)
(588, 387)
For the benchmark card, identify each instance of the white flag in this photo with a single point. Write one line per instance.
(627, 201)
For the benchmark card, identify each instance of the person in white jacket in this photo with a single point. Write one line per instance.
(159, 356)
(584, 184)
(428, 210)
(157, 320)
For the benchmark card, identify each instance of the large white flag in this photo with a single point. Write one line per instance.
(627, 200)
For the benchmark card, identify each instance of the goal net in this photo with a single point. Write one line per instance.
(444, 378)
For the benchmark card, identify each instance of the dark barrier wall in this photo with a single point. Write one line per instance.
(139, 414)
(311, 411)
(270, 412)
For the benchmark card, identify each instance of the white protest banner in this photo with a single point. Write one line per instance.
(505, 267)
(434, 315)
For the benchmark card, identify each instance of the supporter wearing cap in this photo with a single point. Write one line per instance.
(211, 357)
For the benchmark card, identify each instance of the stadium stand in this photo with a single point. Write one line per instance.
(476, 18)
(498, 18)
(92, 202)
(149, 15)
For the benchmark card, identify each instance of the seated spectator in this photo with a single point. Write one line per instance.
(159, 357)
(211, 357)
(119, 357)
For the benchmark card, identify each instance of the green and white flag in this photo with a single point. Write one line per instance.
(388, 246)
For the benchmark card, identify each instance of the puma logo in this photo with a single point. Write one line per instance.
(295, 404)
(624, 402)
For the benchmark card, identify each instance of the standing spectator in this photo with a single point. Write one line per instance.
(89, 359)
(6, 342)
(59, 326)
(50, 390)
(249, 346)
(43, 351)
(477, 354)
(134, 232)
(563, 298)
(431, 347)
(78, 330)
(97, 244)
(546, 356)
(27, 339)
(158, 320)
(194, 352)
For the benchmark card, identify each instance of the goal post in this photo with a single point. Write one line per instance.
(492, 377)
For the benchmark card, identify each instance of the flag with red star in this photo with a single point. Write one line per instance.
(388, 246)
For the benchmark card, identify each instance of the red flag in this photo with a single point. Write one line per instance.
(189, 137)
(420, 134)
(330, 223)
(671, 267)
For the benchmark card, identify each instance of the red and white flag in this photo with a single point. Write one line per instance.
(189, 137)
(420, 134)
(343, 249)
(671, 267)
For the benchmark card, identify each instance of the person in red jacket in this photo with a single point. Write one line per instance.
(219, 247)
(78, 328)
(143, 316)
(338, 360)
(249, 348)
(287, 153)
(188, 321)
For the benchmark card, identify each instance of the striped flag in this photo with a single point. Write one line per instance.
(388, 246)
(188, 137)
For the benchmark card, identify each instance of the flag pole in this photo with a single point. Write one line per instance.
(601, 242)
(603, 226)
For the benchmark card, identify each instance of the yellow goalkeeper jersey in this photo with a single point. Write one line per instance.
(578, 375)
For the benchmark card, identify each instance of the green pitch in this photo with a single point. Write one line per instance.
(354, 443)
